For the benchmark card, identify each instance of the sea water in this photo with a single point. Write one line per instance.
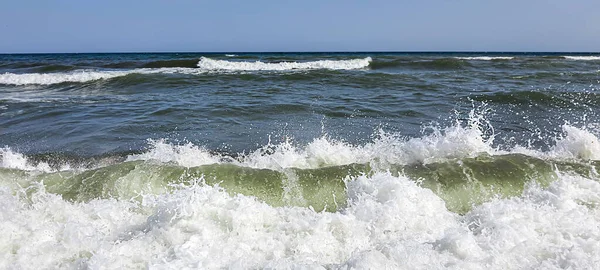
(300, 160)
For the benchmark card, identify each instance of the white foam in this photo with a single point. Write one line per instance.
(453, 142)
(204, 65)
(211, 64)
(553, 228)
(456, 141)
(390, 222)
(186, 155)
(486, 58)
(203, 227)
(54, 78)
(83, 75)
(460, 140)
(321, 152)
(13, 160)
(576, 143)
(584, 58)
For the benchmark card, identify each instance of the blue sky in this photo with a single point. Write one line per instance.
(309, 25)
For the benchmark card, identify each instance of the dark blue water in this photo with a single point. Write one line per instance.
(95, 104)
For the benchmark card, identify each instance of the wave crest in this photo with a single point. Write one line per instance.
(486, 58)
(203, 66)
(54, 78)
(585, 58)
(212, 64)
(82, 76)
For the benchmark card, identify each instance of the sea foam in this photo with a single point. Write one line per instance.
(80, 76)
(54, 78)
(204, 65)
(212, 64)
(441, 144)
(457, 141)
(14, 160)
(390, 222)
(486, 58)
(584, 58)
(574, 143)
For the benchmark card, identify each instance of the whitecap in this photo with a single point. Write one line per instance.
(486, 58)
(211, 64)
(584, 58)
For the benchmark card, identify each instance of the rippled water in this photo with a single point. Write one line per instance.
(96, 104)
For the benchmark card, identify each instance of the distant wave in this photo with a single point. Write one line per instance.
(54, 78)
(231, 55)
(177, 66)
(486, 58)
(211, 64)
(82, 75)
(585, 58)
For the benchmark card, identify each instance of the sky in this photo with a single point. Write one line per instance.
(40, 26)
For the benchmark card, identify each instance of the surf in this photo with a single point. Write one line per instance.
(212, 64)
(178, 67)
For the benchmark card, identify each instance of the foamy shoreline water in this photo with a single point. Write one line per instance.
(390, 222)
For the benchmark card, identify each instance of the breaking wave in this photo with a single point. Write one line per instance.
(177, 66)
(585, 58)
(54, 78)
(486, 58)
(211, 64)
(388, 221)
(445, 198)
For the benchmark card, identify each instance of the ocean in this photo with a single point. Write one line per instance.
(300, 161)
